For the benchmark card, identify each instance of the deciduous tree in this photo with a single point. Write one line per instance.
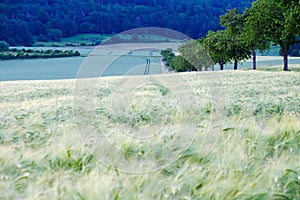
(237, 47)
(217, 45)
(4, 46)
(276, 21)
(253, 39)
(195, 53)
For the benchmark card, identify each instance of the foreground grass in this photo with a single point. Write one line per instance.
(246, 146)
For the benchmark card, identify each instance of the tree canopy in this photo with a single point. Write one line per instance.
(217, 45)
(4, 46)
(237, 47)
(276, 21)
(52, 19)
(266, 22)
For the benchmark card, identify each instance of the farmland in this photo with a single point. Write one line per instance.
(115, 59)
(120, 59)
(90, 114)
(245, 142)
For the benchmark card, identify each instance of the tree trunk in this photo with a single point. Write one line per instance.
(212, 67)
(206, 68)
(235, 64)
(200, 68)
(285, 61)
(285, 52)
(221, 65)
(254, 59)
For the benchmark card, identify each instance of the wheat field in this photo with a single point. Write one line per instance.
(215, 135)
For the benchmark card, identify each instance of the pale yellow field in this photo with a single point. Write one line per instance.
(210, 135)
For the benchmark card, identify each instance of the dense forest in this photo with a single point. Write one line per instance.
(23, 21)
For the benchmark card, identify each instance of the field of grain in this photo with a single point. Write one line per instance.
(209, 135)
(103, 60)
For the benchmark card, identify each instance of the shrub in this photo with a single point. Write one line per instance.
(4, 46)
(3, 56)
(76, 53)
(34, 55)
(49, 51)
(28, 51)
(57, 51)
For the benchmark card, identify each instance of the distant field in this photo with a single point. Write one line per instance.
(142, 38)
(246, 143)
(96, 39)
(268, 63)
(129, 58)
(130, 65)
(78, 40)
(119, 59)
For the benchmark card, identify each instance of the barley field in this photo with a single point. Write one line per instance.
(210, 135)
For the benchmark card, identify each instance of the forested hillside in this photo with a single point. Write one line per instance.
(22, 21)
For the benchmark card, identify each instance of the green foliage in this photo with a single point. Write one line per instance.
(29, 54)
(55, 35)
(277, 21)
(288, 140)
(237, 47)
(234, 109)
(289, 184)
(196, 55)
(217, 45)
(192, 57)
(252, 36)
(168, 56)
(267, 21)
(179, 64)
(70, 162)
(295, 49)
(176, 63)
(20, 20)
(15, 32)
(4, 46)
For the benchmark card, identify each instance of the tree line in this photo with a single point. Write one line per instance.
(266, 23)
(6, 53)
(23, 21)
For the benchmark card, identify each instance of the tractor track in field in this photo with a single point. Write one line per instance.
(147, 68)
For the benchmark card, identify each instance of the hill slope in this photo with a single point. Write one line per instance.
(53, 19)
